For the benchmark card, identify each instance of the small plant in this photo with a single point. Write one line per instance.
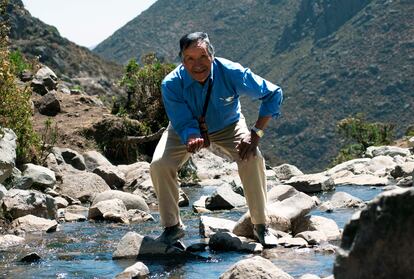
(18, 62)
(49, 137)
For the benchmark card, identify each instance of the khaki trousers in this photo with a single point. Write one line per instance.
(170, 154)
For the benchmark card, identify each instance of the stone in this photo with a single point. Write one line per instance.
(227, 241)
(3, 191)
(403, 170)
(392, 151)
(49, 104)
(73, 217)
(309, 276)
(286, 171)
(71, 157)
(31, 223)
(10, 240)
(131, 201)
(199, 206)
(362, 180)
(45, 80)
(342, 200)
(7, 153)
(255, 268)
(110, 210)
(312, 237)
(183, 199)
(30, 258)
(18, 203)
(94, 159)
(317, 223)
(289, 242)
(351, 166)
(139, 216)
(280, 193)
(40, 177)
(210, 225)
(83, 185)
(378, 242)
(224, 198)
(112, 176)
(311, 183)
(136, 271)
(381, 165)
(61, 202)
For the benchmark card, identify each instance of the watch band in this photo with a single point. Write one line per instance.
(258, 132)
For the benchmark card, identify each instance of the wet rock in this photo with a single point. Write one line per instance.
(313, 237)
(311, 183)
(280, 214)
(94, 159)
(44, 81)
(199, 206)
(197, 247)
(30, 258)
(362, 180)
(83, 185)
(139, 216)
(130, 201)
(137, 271)
(112, 176)
(49, 104)
(379, 242)
(255, 268)
(40, 177)
(7, 154)
(31, 223)
(110, 210)
(18, 203)
(211, 225)
(289, 242)
(227, 241)
(286, 171)
(342, 200)
(10, 240)
(280, 193)
(317, 223)
(392, 151)
(224, 198)
(183, 199)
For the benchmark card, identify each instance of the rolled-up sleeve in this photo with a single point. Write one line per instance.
(256, 87)
(178, 111)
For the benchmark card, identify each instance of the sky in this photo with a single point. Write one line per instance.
(86, 22)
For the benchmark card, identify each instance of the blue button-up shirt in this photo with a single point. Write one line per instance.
(184, 97)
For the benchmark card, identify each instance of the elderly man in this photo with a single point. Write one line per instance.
(201, 98)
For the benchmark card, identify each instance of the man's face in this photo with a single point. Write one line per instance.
(197, 61)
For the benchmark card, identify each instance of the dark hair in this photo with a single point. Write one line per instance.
(190, 38)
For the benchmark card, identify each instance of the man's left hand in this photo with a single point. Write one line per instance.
(248, 146)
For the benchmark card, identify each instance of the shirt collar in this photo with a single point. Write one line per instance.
(188, 80)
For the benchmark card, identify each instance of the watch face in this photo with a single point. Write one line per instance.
(258, 132)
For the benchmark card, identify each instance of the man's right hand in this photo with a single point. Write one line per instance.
(194, 143)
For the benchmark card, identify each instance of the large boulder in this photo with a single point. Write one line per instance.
(286, 171)
(10, 240)
(224, 198)
(380, 165)
(31, 223)
(311, 183)
(280, 193)
(342, 200)
(131, 201)
(83, 185)
(69, 156)
(210, 225)
(7, 153)
(255, 268)
(40, 177)
(45, 80)
(352, 165)
(392, 151)
(94, 159)
(362, 180)
(379, 242)
(403, 170)
(112, 176)
(317, 223)
(49, 104)
(18, 203)
(227, 241)
(111, 210)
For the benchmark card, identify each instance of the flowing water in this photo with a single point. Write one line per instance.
(84, 249)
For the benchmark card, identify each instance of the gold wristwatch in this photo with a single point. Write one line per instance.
(258, 132)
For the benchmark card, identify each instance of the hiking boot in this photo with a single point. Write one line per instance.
(264, 236)
(172, 234)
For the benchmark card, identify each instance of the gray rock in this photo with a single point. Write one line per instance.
(44, 81)
(403, 170)
(342, 200)
(379, 242)
(183, 199)
(139, 216)
(255, 268)
(289, 242)
(227, 241)
(137, 271)
(83, 185)
(112, 176)
(309, 276)
(211, 225)
(10, 240)
(380, 165)
(131, 201)
(362, 180)
(30, 258)
(110, 210)
(317, 223)
(280, 193)
(311, 183)
(392, 151)
(40, 177)
(73, 217)
(7, 153)
(61, 202)
(224, 198)
(31, 223)
(18, 203)
(286, 171)
(351, 165)
(94, 159)
(49, 104)
(70, 157)
(3, 191)
(313, 237)
(405, 181)
(199, 206)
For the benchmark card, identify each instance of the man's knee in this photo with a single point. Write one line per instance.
(161, 164)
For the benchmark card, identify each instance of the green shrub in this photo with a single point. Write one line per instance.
(359, 135)
(18, 62)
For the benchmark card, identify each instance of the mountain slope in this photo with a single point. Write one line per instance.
(70, 61)
(333, 58)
